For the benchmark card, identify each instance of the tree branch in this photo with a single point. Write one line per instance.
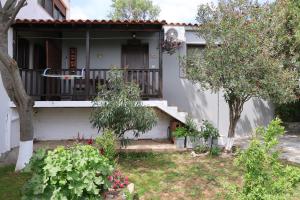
(14, 13)
(9, 3)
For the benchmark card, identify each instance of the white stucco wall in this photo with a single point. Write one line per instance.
(66, 123)
(105, 48)
(5, 114)
(206, 105)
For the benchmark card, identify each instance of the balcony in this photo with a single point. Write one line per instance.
(62, 88)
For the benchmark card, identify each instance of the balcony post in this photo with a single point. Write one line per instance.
(161, 38)
(87, 64)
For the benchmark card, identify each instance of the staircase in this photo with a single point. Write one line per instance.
(171, 111)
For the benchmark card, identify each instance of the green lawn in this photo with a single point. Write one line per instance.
(157, 176)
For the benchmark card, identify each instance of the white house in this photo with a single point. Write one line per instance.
(87, 49)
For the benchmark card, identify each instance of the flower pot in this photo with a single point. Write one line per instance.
(192, 142)
(180, 143)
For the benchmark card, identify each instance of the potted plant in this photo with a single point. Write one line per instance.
(180, 134)
(193, 137)
(209, 133)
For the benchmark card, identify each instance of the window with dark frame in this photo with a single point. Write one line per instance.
(54, 7)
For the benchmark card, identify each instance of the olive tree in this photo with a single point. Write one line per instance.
(286, 25)
(12, 81)
(118, 107)
(134, 10)
(238, 59)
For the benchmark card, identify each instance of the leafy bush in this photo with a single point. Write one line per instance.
(107, 143)
(208, 131)
(265, 178)
(289, 112)
(201, 149)
(78, 172)
(215, 151)
(118, 107)
(189, 129)
(180, 132)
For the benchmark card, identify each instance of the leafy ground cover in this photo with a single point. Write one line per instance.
(157, 176)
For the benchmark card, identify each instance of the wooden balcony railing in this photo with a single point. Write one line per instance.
(43, 88)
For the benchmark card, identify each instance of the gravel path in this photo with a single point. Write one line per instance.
(288, 144)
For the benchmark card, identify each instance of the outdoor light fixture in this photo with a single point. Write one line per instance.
(133, 36)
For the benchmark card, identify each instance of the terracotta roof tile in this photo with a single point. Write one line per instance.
(99, 22)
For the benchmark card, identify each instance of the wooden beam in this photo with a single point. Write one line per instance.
(87, 64)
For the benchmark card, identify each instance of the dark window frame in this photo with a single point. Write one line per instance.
(55, 8)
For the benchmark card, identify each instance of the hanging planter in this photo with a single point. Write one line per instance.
(170, 45)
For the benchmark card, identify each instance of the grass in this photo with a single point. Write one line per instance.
(178, 176)
(11, 183)
(157, 176)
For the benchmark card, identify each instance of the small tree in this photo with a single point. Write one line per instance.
(265, 177)
(237, 59)
(118, 107)
(134, 10)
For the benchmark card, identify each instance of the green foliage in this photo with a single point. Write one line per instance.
(215, 151)
(265, 178)
(78, 172)
(107, 143)
(180, 132)
(209, 131)
(134, 10)
(201, 149)
(189, 129)
(289, 112)
(118, 107)
(286, 26)
(239, 58)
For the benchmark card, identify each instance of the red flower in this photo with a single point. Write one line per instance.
(90, 141)
(126, 182)
(101, 151)
(126, 178)
(121, 185)
(110, 178)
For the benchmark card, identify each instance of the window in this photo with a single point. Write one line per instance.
(194, 52)
(54, 7)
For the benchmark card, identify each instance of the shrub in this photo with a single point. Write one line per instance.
(215, 151)
(208, 131)
(180, 132)
(78, 172)
(201, 149)
(107, 144)
(265, 178)
(189, 129)
(118, 107)
(289, 112)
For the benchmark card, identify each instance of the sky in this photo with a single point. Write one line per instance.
(171, 10)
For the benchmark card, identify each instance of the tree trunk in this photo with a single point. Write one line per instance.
(24, 104)
(235, 110)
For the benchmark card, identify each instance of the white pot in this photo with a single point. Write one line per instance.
(180, 143)
(192, 142)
